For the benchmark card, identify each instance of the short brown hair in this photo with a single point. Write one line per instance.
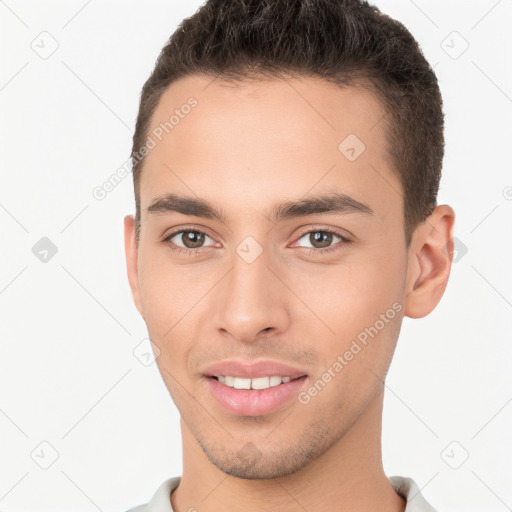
(347, 42)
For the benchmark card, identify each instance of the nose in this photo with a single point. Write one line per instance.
(251, 300)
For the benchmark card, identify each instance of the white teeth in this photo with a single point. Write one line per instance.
(263, 382)
(274, 381)
(256, 383)
(242, 383)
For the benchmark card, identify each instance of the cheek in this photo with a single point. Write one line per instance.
(166, 291)
(175, 301)
(360, 306)
(350, 296)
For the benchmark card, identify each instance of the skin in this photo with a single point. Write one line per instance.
(244, 149)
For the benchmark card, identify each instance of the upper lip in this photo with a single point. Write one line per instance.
(246, 370)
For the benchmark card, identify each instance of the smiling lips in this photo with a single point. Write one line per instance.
(253, 389)
(256, 383)
(246, 370)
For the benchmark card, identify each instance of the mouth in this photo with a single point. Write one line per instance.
(254, 397)
(254, 383)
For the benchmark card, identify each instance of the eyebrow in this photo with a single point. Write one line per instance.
(334, 203)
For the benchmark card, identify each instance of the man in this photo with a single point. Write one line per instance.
(286, 162)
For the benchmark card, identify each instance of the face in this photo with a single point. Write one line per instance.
(319, 286)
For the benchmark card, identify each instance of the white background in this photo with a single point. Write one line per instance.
(68, 374)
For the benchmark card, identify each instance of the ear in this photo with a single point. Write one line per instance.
(131, 251)
(430, 262)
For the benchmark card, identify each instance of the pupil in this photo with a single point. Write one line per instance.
(324, 238)
(192, 239)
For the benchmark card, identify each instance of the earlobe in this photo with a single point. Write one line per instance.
(131, 252)
(430, 261)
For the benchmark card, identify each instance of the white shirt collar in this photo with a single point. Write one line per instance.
(406, 487)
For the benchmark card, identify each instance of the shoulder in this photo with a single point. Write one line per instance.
(161, 500)
(408, 489)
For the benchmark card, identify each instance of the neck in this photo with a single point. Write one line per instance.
(349, 472)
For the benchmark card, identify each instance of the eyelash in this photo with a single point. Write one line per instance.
(182, 250)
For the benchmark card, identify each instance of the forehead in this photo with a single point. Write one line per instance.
(270, 138)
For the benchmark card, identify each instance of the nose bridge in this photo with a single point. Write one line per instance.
(250, 299)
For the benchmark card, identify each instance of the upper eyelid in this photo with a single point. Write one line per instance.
(335, 231)
(185, 229)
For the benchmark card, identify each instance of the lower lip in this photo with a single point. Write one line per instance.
(254, 402)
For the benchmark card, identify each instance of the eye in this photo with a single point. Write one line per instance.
(321, 240)
(191, 240)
